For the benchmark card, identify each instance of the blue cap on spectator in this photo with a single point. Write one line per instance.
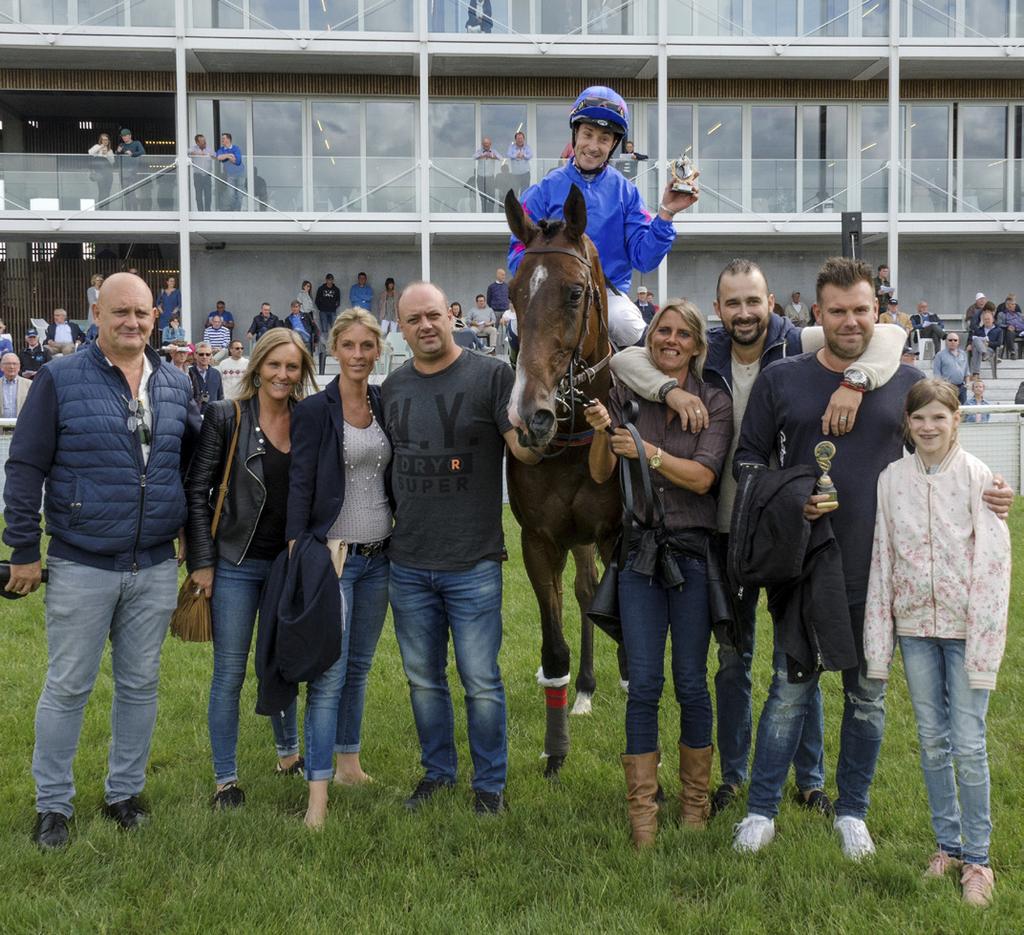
(31, 333)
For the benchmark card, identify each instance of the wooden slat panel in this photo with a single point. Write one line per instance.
(271, 83)
(52, 79)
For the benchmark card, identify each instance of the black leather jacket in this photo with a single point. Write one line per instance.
(246, 493)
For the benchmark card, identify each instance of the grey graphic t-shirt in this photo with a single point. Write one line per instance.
(446, 429)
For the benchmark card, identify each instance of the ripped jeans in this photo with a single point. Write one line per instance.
(781, 727)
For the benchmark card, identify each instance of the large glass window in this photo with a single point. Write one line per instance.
(874, 154)
(151, 13)
(337, 167)
(925, 19)
(273, 14)
(560, 16)
(824, 157)
(773, 150)
(452, 144)
(390, 155)
(213, 118)
(774, 18)
(983, 167)
(277, 161)
(553, 135)
(927, 177)
(827, 17)
(99, 13)
(716, 17)
(720, 157)
(874, 18)
(988, 17)
(216, 14)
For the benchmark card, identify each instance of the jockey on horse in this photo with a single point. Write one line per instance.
(627, 237)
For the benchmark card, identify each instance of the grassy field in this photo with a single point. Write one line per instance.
(558, 861)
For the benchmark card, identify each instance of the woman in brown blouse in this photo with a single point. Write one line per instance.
(670, 595)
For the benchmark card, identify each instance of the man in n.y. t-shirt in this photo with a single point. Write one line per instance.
(446, 414)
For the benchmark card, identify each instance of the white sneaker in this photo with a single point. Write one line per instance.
(854, 836)
(753, 833)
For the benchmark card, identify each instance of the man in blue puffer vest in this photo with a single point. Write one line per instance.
(108, 430)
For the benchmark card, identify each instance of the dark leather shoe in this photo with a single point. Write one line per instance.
(128, 814)
(51, 831)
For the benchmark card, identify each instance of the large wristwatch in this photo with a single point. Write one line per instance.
(654, 462)
(856, 380)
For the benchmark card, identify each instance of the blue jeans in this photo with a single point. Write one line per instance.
(320, 724)
(649, 612)
(785, 712)
(732, 697)
(364, 588)
(951, 725)
(236, 598)
(427, 605)
(84, 608)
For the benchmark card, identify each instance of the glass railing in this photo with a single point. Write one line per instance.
(982, 185)
(97, 14)
(824, 186)
(813, 19)
(594, 18)
(71, 183)
(316, 15)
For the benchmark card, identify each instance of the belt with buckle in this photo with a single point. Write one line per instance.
(369, 549)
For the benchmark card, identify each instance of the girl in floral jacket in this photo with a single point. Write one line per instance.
(940, 585)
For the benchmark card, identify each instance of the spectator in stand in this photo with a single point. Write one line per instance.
(306, 304)
(207, 386)
(1018, 399)
(303, 325)
(328, 298)
(478, 16)
(497, 294)
(882, 288)
(63, 336)
(263, 322)
(1012, 323)
(951, 364)
(360, 293)
(101, 169)
(201, 159)
(15, 387)
(977, 399)
(230, 158)
(225, 315)
(130, 151)
(33, 356)
(173, 333)
(487, 160)
(92, 297)
(519, 156)
(928, 324)
(232, 568)
(386, 307)
(458, 319)
(1001, 307)
(797, 312)
(482, 320)
(232, 369)
(169, 301)
(629, 162)
(181, 352)
(6, 341)
(512, 335)
(645, 302)
(218, 336)
(972, 317)
(893, 315)
(986, 339)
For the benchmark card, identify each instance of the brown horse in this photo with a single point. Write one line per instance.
(562, 315)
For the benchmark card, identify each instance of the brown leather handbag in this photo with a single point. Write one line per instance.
(191, 620)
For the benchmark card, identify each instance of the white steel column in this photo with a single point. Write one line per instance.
(424, 147)
(895, 173)
(662, 155)
(181, 147)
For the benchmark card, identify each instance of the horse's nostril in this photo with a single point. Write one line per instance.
(542, 422)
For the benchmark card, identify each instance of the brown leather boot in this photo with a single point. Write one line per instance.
(695, 776)
(641, 789)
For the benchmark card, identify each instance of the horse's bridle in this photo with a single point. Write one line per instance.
(568, 393)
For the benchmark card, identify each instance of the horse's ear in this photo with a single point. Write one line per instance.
(520, 225)
(575, 213)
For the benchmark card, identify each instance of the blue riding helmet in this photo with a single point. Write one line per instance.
(601, 106)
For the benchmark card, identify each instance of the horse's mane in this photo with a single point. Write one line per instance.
(550, 228)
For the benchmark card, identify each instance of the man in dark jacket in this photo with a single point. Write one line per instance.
(107, 432)
(263, 322)
(207, 386)
(328, 298)
(63, 336)
(33, 356)
(752, 337)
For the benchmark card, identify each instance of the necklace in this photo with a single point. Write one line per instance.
(349, 453)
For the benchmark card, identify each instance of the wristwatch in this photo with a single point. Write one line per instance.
(654, 462)
(856, 380)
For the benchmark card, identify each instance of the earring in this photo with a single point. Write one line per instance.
(256, 381)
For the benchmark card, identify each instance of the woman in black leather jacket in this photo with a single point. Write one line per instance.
(231, 569)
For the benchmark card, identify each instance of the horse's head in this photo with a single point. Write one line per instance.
(557, 288)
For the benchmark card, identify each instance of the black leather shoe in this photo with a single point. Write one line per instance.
(51, 831)
(424, 791)
(128, 814)
(722, 798)
(231, 796)
(489, 803)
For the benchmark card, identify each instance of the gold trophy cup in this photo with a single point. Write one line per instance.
(683, 171)
(824, 452)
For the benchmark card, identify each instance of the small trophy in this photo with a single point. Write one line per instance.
(683, 171)
(824, 452)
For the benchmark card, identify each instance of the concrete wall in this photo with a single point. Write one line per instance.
(946, 276)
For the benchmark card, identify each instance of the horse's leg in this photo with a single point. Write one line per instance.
(585, 582)
(544, 563)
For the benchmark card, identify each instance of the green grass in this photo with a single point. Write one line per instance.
(559, 861)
